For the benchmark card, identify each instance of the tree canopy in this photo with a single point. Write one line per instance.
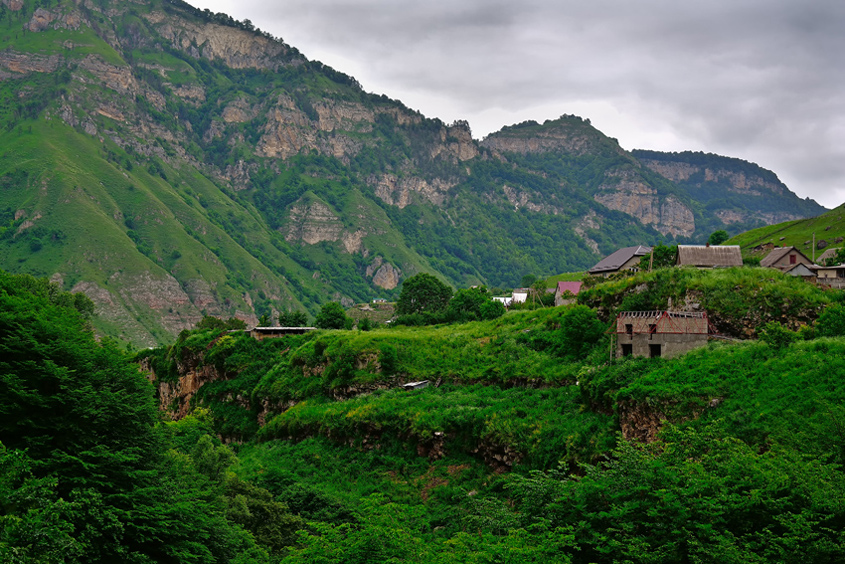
(331, 316)
(423, 293)
(718, 237)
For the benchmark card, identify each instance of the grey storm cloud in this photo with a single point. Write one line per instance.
(755, 79)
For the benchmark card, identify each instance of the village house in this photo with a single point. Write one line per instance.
(565, 292)
(786, 259)
(519, 295)
(623, 259)
(660, 333)
(833, 275)
(706, 256)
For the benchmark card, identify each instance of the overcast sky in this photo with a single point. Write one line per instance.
(760, 80)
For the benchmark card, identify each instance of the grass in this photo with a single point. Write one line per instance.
(551, 281)
(738, 301)
(792, 396)
(828, 227)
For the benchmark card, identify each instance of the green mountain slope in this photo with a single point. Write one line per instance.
(171, 162)
(828, 231)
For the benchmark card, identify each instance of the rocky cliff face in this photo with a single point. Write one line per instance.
(723, 183)
(630, 194)
(569, 135)
(237, 48)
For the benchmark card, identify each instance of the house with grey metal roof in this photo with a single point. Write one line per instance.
(706, 256)
(623, 259)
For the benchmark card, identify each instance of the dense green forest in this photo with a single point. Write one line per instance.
(528, 445)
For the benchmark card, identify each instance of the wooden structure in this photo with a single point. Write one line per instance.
(705, 256)
(660, 333)
(260, 333)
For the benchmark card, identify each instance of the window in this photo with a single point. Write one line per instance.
(792, 259)
(652, 329)
(654, 351)
(629, 329)
(627, 350)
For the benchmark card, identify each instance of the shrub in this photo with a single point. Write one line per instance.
(831, 323)
(777, 336)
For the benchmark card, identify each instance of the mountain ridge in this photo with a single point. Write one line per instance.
(173, 163)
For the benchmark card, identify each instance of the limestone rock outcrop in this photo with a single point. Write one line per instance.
(629, 194)
(237, 48)
(400, 191)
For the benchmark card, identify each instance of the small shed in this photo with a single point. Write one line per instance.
(415, 385)
(261, 333)
(785, 259)
(706, 256)
(660, 333)
(627, 258)
(833, 276)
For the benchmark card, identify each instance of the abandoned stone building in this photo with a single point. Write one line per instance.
(660, 333)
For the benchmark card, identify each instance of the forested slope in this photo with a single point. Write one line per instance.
(529, 444)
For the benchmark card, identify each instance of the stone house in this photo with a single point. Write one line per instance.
(623, 259)
(660, 333)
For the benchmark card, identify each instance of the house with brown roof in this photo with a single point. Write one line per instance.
(623, 259)
(785, 258)
(566, 292)
(706, 256)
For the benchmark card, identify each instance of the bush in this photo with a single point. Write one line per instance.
(293, 319)
(777, 336)
(473, 304)
(831, 323)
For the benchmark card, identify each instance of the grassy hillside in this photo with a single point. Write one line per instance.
(828, 227)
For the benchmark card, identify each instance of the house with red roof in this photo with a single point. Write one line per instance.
(565, 292)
